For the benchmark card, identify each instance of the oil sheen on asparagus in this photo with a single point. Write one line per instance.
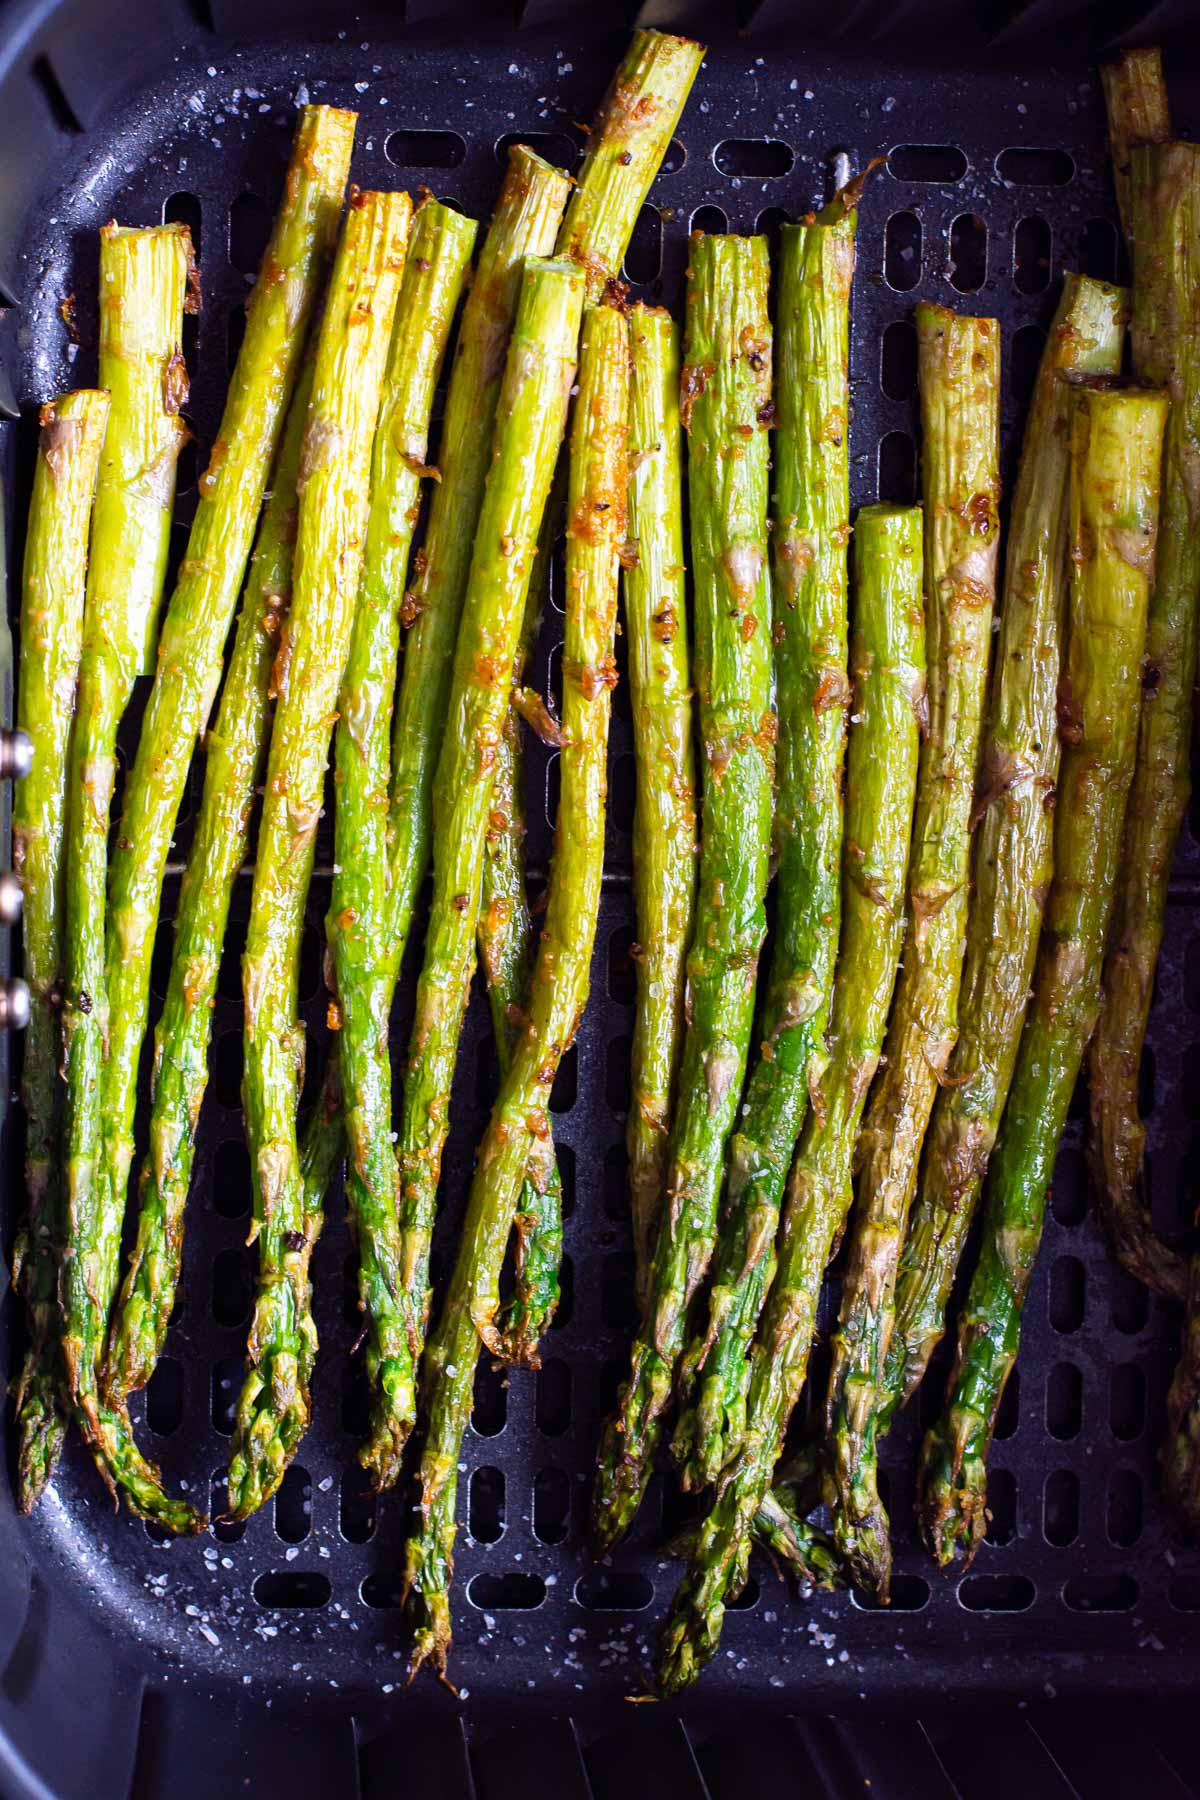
(1116, 444)
(144, 284)
(530, 418)
(517, 1144)
(233, 756)
(1161, 212)
(201, 608)
(628, 141)
(726, 408)
(1013, 850)
(52, 594)
(664, 874)
(334, 489)
(811, 459)
(959, 369)
(524, 223)
(887, 663)
(361, 946)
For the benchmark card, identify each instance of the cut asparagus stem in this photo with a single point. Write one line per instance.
(360, 944)
(518, 1135)
(1116, 442)
(198, 618)
(530, 419)
(1135, 96)
(1163, 221)
(505, 937)
(234, 754)
(525, 223)
(144, 279)
(664, 874)
(811, 460)
(626, 145)
(726, 412)
(1013, 852)
(334, 489)
(887, 662)
(55, 575)
(959, 366)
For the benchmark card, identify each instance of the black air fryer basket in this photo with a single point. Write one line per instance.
(271, 1657)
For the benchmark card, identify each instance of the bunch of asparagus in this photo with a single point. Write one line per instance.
(1015, 816)
(327, 420)
(971, 844)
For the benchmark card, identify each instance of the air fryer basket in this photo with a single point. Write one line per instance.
(274, 1654)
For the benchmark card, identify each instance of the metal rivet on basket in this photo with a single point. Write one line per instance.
(11, 898)
(16, 755)
(14, 1006)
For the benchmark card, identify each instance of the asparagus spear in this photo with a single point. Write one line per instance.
(1162, 220)
(356, 927)
(505, 938)
(55, 573)
(333, 486)
(144, 279)
(234, 753)
(1013, 855)
(959, 364)
(888, 669)
(1116, 443)
(628, 141)
(518, 1138)
(1135, 98)
(199, 614)
(1181, 1452)
(726, 411)
(524, 223)
(664, 875)
(809, 543)
(626, 145)
(529, 424)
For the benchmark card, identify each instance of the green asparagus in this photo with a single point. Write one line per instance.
(1162, 214)
(629, 140)
(333, 487)
(664, 875)
(524, 223)
(361, 948)
(197, 625)
(1116, 443)
(505, 937)
(626, 146)
(144, 280)
(55, 574)
(530, 418)
(234, 753)
(959, 365)
(808, 548)
(1013, 853)
(1135, 98)
(888, 670)
(518, 1140)
(726, 409)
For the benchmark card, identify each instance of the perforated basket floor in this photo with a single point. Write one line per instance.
(997, 179)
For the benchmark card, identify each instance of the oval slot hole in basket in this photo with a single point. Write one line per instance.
(614, 1590)
(515, 1591)
(996, 1593)
(1101, 1593)
(292, 1587)
(425, 149)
